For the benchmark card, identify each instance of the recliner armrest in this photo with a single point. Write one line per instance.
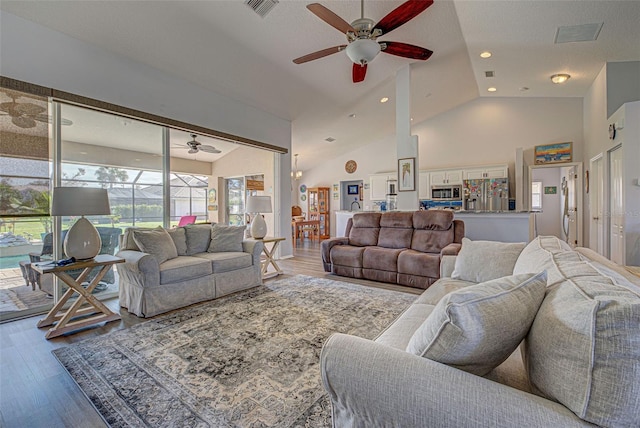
(451, 250)
(326, 247)
(375, 385)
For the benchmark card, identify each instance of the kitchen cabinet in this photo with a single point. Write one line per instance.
(451, 176)
(499, 171)
(378, 185)
(318, 209)
(424, 185)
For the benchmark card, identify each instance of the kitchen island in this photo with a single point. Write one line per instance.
(504, 226)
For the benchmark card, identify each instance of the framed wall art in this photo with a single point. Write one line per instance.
(553, 153)
(407, 174)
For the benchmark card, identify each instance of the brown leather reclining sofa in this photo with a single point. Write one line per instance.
(397, 247)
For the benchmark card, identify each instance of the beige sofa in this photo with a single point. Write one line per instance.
(578, 365)
(169, 269)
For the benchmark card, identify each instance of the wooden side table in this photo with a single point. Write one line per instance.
(269, 256)
(94, 313)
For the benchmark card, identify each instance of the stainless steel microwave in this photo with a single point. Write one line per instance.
(446, 193)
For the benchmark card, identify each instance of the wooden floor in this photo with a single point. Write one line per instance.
(35, 391)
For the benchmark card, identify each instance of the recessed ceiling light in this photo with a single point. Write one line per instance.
(329, 139)
(83, 153)
(137, 159)
(485, 54)
(384, 99)
(491, 89)
(352, 115)
(560, 78)
(524, 89)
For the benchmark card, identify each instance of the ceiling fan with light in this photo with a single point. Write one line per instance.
(196, 146)
(26, 115)
(362, 36)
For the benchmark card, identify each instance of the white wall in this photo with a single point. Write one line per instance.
(36, 54)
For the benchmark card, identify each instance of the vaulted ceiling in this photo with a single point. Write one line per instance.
(226, 47)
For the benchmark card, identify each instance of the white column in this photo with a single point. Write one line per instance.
(406, 144)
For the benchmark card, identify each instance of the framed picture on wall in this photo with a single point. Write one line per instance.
(407, 174)
(352, 189)
(553, 153)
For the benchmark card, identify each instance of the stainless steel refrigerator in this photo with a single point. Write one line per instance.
(488, 194)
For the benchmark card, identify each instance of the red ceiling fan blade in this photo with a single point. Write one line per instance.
(402, 14)
(359, 71)
(319, 54)
(406, 50)
(330, 18)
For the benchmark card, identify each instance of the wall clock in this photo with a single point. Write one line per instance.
(350, 166)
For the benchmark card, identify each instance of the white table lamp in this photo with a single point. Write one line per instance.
(257, 205)
(83, 240)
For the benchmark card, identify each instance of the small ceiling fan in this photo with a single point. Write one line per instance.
(196, 146)
(363, 32)
(26, 115)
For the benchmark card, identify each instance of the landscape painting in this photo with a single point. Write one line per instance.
(553, 153)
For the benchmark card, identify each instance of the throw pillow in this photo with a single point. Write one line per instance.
(476, 328)
(480, 261)
(198, 238)
(226, 238)
(179, 237)
(156, 242)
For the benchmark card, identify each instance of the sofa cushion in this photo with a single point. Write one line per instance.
(400, 220)
(127, 238)
(347, 255)
(433, 220)
(379, 258)
(365, 229)
(183, 268)
(399, 333)
(476, 328)
(537, 254)
(156, 242)
(418, 263)
(431, 241)
(227, 261)
(226, 238)
(179, 237)
(395, 237)
(583, 349)
(480, 261)
(198, 238)
(441, 288)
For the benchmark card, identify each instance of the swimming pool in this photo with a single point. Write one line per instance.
(12, 261)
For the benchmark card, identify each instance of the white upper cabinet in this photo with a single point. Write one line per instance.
(499, 171)
(378, 186)
(451, 176)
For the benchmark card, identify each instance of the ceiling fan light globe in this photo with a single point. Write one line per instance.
(362, 51)
(192, 151)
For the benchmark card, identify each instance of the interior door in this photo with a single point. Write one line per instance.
(596, 204)
(572, 204)
(616, 207)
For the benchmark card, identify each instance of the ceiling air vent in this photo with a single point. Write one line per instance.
(578, 33)
(488, 74)
(261, 7)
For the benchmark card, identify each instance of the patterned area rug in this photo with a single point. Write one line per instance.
(246, 360)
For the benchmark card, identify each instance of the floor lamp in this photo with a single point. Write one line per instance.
(83, 240)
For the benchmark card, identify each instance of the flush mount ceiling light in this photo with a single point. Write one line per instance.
(560, 78)
(485, 54)
(384, 99)
(492, 89)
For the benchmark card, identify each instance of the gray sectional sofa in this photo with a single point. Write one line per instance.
(572, 316)
(397, 247)
(169, 269)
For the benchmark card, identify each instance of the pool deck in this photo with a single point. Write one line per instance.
(15, 295)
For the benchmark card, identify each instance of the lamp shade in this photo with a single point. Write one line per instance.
(259, 204)
(72, 201)
(83, 240)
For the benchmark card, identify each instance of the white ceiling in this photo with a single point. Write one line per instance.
(225, 47)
